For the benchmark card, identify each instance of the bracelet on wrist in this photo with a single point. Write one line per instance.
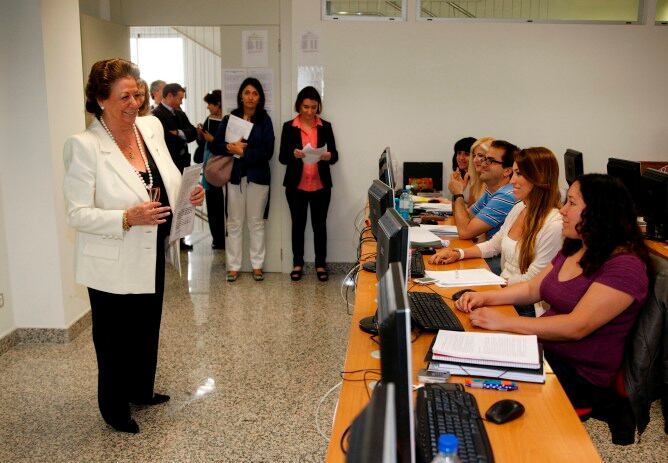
(126, 224)
(461, 253)
(454, 197)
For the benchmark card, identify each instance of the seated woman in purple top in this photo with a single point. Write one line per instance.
(595, 286)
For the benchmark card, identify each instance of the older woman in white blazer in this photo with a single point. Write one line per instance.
(110, 170)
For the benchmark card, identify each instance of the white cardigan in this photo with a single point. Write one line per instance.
(99, 185)
(548, 243)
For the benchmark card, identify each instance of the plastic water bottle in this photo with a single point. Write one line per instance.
(405, 204)
(410, 199)
(447, 449)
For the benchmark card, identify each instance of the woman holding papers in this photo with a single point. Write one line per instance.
(248, 190)
(215, 199)
(308, 180)
(595, 287)
(118, 185)
(531, 234)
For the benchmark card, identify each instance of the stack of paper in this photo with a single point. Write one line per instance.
(468, 277)
(495, 355)
(442, 231)
(434, 207)
(421, 237)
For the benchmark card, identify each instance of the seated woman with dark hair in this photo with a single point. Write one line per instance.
(595, 287)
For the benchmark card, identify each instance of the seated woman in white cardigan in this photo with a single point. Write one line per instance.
(530, 237)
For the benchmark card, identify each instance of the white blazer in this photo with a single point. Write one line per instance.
(99, 185)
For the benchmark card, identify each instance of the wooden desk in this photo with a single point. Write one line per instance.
(660, 249)
(548, 431)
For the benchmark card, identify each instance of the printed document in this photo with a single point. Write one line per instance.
(237, 128)
(183, 212)
(312, 155)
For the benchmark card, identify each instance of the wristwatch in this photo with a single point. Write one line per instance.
(454, 197)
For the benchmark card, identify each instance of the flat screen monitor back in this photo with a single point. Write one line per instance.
(394, 326)
(391, 242)
(381, 198)
(432, 170)
(385, 169)
(628, 172)
(373, 434)
(655, 186)
(573, 165)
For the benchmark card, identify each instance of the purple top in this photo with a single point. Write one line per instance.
(598, 356)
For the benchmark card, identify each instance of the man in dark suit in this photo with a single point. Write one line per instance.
(178, 129)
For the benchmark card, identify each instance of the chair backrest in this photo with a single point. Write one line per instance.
(644, 362)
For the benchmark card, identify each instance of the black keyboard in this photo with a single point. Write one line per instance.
(448, 409)
(430, 313)
(417, 264)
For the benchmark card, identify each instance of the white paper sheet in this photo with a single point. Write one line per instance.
(419, 235)
(183, 212)
(441, 230)
(313, 154)
(237, 128)
(467, 277)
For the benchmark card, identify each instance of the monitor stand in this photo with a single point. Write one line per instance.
(369, 266)
(369, 324)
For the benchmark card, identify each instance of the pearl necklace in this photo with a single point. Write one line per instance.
(148, 185)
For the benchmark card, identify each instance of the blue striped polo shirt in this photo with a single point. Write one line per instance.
(492, 208)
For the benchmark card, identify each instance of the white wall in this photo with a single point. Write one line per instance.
(419, 86)
(44, 82)
(6, 315)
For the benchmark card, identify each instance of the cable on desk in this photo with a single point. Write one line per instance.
(352, 372)
(317, 409)
(343, 437)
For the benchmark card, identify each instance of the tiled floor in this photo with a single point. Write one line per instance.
(245, 364)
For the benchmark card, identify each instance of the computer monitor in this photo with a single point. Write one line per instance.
(381, 198)
(391, 242)
(385, 169)
(628, 172)
(391, 246)
(394, 326)
(422, 174)
(655, 185)
(373, 434)
(573, 165)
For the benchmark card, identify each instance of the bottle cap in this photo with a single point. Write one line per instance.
(448, 443)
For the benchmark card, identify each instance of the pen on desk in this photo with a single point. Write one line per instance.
(498, 385)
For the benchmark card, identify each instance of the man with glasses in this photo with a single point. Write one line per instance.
(490, 211)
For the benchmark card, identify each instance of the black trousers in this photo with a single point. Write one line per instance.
(215, 206)
(299, 202)
(580, 392)
(126, 332)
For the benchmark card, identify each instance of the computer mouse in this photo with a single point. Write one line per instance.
(461, 292)
(504, 411)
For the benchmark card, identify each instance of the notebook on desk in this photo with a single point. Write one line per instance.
(490, 368)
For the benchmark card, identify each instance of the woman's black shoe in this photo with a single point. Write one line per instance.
(157, 399)
(130, 426)
(322, 275)
(296, 275)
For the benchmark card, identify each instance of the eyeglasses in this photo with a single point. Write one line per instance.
(490, 160)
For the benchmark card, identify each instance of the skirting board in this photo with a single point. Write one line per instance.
(45, 335)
